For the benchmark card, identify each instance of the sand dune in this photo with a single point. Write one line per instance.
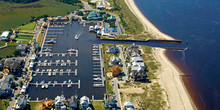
(169, 75)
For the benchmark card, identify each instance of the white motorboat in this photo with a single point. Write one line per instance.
(69, 85)
(69, 81)
(46, 86)
(76, 37)
(71, 50)
(42, 86)
(97, 79)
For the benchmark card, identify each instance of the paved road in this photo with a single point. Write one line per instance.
(86, 6)
(116, 91)
(125, 70)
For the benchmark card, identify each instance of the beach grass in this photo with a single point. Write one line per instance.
(13, 15)
(39, 38)
(20, 36)
(98, 105)
(129, 21)
(35, 105)
(29, 26)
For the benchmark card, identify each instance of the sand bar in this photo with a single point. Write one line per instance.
(169, 74)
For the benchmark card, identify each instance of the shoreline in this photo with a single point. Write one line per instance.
(179, 97)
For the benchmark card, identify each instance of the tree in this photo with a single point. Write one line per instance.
(116, 70)
(80, 13)
(17, 53)
(21, 83)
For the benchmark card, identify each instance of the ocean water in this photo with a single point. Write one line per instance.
(198, 23)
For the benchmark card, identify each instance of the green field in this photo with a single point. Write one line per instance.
(13, 15)
(24, 37)
(29, 26)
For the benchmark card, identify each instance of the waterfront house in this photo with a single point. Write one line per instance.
(60, 103)
(12, 65)
(132, 51)
(4, 35)
(33, 57)
(21, 103)
(22, 48)
(94, 16)
(5, 85)
(129, 106)
(111, 102)
(112, 49)
(84, 102)
(114, 61)
(139, 74)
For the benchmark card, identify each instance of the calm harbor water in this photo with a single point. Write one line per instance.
(198, 22)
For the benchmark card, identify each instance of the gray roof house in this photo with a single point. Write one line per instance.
(21, 103)
(114, 61)
(12, 64)
(133, 50)
(22, 48)
(5, 85)
(112, 49)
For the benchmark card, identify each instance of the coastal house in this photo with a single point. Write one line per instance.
(60, 103)
(22, 48)
(94, 16)
(129, 106)
(12, 65)
(111, 102)
(132, 51)
(112, 49)
(4, 35)
(114, 61)
(139, 74)
(84, 102)
(21, 103)
(5, 85)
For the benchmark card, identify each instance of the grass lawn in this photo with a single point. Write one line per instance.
(2, 43)
(24, 36)
(29, 26)
(13, 15)
(4, 104)
(8, 51)
(35, 105)
(98, 105)
(39, 38)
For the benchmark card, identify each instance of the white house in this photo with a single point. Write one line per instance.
(4, 35)
(23, 89)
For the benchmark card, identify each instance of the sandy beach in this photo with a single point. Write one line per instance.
(169, 74)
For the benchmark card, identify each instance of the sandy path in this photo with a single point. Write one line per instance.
(169, 76)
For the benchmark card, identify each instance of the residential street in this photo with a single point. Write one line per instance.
(125, 70)
(116, 91)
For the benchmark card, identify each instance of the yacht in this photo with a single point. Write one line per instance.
(54, 73)
(49, 73)
(49, 82)
(97, 85)
(91, 28)
(69, 81)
